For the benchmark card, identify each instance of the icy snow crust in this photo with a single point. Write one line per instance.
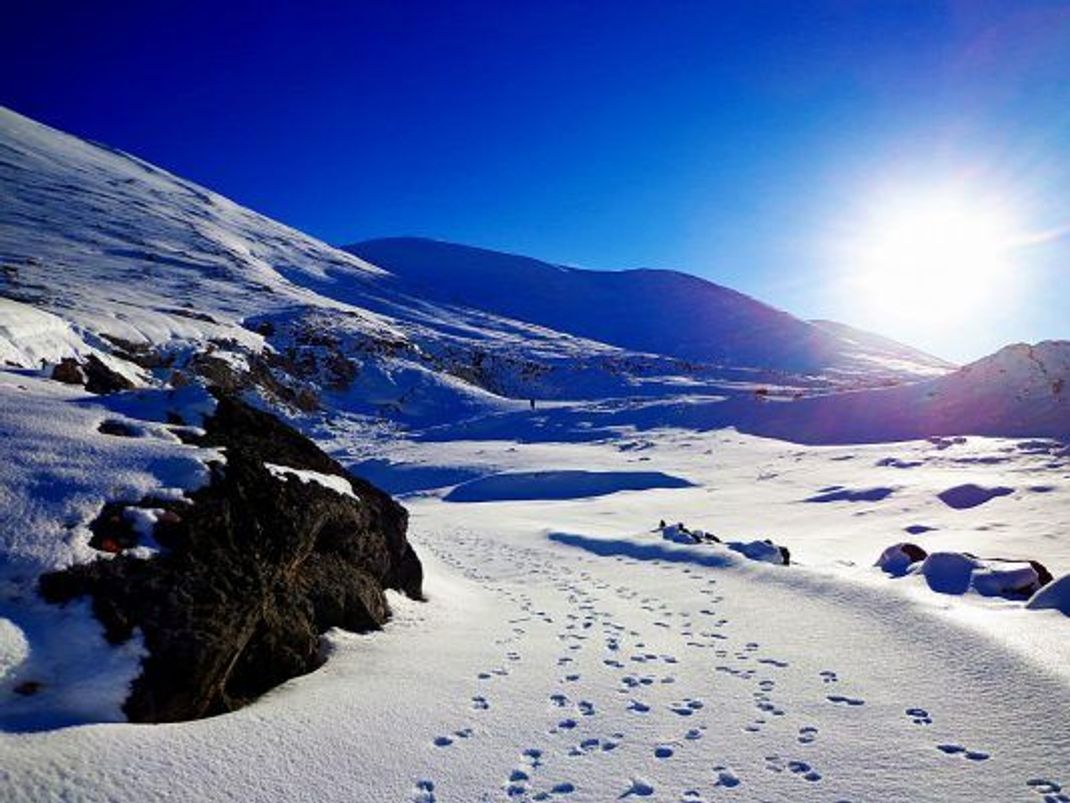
(568, 650)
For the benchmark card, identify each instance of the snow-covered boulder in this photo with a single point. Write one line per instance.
(1054, 596)
(959, 572)
(898, 558)
(243, 576)
(679, 533)
(765, 551)
(948, 572)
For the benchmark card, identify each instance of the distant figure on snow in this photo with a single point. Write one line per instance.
(532, 404)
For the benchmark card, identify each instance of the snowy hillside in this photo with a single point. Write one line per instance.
(1020, 391)
(656, 311)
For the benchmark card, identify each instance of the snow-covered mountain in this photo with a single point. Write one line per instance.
(656, 311)
(1020, 391)
(105, 254)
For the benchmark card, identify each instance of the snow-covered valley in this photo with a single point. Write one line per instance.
(573, 645)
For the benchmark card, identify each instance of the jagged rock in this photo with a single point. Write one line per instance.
(101, 379)
(252, 569)
(94, 374)
(69, 372)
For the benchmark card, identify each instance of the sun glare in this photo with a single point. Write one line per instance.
(941, 255)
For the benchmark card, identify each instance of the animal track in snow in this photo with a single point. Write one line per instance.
(423, 792)
(1051, 790)
(919, 716)
(640, 788)
(840, 699)
(726, 778)
(953, 749)
(774, 662)
(687, 707)
(803, 769)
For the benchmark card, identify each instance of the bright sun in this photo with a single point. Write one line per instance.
(942, 255)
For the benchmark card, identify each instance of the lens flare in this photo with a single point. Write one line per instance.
(941, 255)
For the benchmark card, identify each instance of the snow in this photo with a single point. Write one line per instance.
(332, 482)
(29, 336)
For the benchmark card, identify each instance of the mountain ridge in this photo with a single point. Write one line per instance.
(645, 309)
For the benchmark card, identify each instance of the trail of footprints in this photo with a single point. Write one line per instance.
(640, 670)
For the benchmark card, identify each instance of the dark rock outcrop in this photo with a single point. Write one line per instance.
(93, 373)
(252, 569)
(69, 372)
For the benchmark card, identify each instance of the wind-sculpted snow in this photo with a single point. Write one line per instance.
(563, 484)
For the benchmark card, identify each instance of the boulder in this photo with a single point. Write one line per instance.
(280, 546)
(94, 374)
(764, 550)
(898, 558)
(959, 572)
(1054, 596)
(101, 379)
(69, 372)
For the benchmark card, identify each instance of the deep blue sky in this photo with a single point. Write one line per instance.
(738, 141)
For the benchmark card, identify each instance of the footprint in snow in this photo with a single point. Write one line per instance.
(828, 676)
(423, 792)
(952, 749)
(807, 734)
(774, 662)
(726, 777)
(663, 751)
(919, 716)
(840, 699)
(802, 769)
(1051, 790)
(640, 788)
(480, 703)
(687, 707)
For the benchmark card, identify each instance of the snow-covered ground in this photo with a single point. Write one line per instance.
(566, 650)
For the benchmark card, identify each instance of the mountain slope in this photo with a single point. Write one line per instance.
(1020, 391)
(658, 311)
